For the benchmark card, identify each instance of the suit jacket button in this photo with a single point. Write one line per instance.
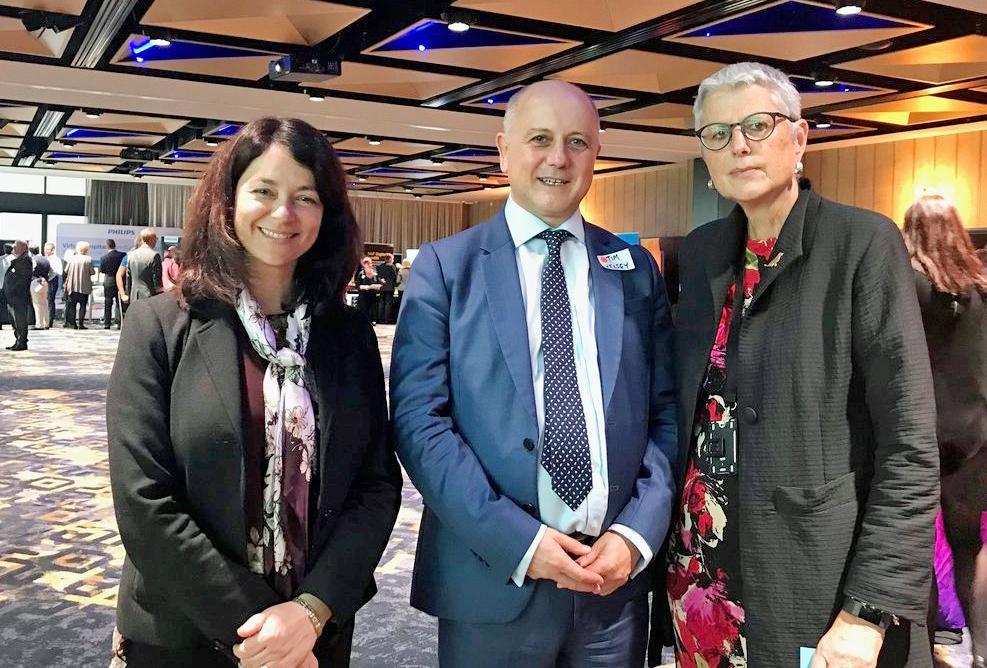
(529, 445)
(748, 415)
(529, 508)
(327, 513)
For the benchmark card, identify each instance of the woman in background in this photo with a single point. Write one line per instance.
(368, 282)
(253, 480)
(952, 287)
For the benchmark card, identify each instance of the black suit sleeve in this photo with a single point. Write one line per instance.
(163, 541)
(890, 567)
(343, 571)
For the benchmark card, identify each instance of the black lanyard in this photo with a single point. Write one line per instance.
(733, 339)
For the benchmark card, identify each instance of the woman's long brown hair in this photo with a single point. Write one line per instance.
(938, 242)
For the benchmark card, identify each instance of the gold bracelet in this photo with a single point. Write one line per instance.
(312, 616)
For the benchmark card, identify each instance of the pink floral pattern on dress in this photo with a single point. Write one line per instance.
(707, 617)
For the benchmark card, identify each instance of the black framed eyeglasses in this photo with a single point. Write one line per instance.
(756, 127)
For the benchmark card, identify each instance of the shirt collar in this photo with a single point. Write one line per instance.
(524, 225)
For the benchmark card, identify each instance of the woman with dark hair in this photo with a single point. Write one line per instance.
(952, 288)
(253, 480)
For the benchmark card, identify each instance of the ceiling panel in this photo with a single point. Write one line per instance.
(387, 146)
(794, 30)
(942, 62)
(429, 41)
(181, 56)
(612, 15)
(917, 111)
(298, 22)
(58, 6)
(641, 70)
(391, 82)
(128, 122)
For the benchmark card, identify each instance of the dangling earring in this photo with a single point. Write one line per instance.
(799, 168)
(709, 185)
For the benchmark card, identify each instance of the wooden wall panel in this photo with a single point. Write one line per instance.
(655, 203)
(888, 177)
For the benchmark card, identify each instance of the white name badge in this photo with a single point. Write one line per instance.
(619, 261)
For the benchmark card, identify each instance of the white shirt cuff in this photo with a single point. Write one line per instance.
(517, 577)
(639, 543)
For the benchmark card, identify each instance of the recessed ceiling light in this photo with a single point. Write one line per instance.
(418, 196)
(421, 47)
(458, 21)
(849, 7)
(211, 142)
(408, 189)
(316, 96)
(362, 178)
(93, 113)
(374, 141)
(824, 83)
(482, 177)
(822, 125)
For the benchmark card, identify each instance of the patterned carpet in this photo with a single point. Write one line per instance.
(60, 554)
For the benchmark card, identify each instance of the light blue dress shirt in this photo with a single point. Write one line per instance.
(530, 254)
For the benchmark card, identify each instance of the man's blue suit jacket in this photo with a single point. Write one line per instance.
(463, 410)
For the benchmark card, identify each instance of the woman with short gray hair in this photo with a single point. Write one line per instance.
(809, 464)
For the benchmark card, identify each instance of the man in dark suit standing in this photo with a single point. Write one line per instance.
(108, 265)
(17, 292)
(389, 278)
(533, 407)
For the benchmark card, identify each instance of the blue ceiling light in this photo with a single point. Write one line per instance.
(421, 47)
(796, 16)
(437, 36)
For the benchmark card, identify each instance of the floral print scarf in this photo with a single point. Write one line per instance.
(279, 546)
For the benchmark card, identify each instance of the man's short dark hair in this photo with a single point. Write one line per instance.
(111, 244)
(34, 250)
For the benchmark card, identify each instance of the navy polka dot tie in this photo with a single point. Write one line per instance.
(565, 452)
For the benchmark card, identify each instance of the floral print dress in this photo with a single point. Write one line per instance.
(704, 582)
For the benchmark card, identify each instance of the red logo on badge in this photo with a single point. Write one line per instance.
(604, 259)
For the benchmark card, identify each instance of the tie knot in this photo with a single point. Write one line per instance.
(554, 238)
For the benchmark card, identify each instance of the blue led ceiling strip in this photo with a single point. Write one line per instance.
(808, 85)
(179, 50)
(794, 16)
(90, 133)
(472, 153)
(435, 35)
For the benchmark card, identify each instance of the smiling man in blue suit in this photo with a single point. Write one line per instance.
(533, 407)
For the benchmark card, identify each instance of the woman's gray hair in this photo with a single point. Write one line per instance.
(742, 75)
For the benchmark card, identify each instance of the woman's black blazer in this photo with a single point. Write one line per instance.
(175, 428)
(838, 458)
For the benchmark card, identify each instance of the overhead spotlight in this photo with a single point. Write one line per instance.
(482, 177)
(603, 131)
(316, 96)
(437, 160)
(823, 82)
(168, 161)
(374, 141)
(408, 189)
(823, 125)
(211, 142)
(458, 21)
(361, 179)
(92, 113)
(67, 143)
(418, 196)
(848, 7)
